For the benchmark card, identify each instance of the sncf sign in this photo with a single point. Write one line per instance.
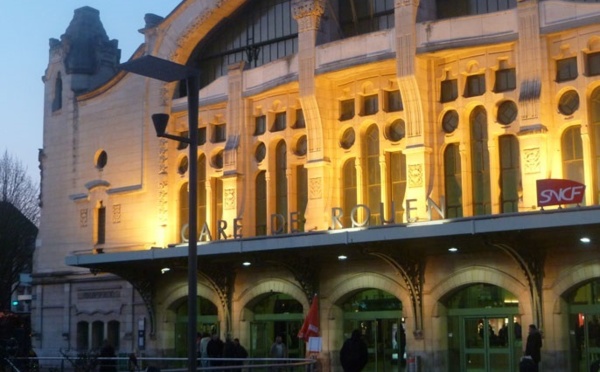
(557, 192)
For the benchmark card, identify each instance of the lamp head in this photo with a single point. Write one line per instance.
(160, 123)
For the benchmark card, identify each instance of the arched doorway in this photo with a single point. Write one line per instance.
(584, 325)
(207, 321)
(484, 329)
(274, 314)
(378, 315)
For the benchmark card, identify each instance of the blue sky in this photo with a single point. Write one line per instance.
(26, 27)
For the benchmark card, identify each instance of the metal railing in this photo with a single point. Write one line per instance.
(146, 364)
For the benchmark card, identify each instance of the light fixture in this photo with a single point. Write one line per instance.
(165, 269)
(585, 240)
(247, 263)
(452, 249)
(342, 257)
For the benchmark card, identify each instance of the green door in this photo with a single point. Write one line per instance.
(488, 344)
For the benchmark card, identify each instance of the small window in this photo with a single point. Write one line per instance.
(396, 130)
(505, 80)
(507, 112)
(568, 102)
(450, 121)
(566, 69)
(347, 139)
(217, 160)
(370, 105)
(183, 166)
(260, 152)
(101, 159)
(201, 136)
(58, 91)
(183, 145)
(593, 64)
(260, 125)
(346, 109)
(475, 85)
(449, 91)
(101, 225)
(219, 133)
(393, 101)
(279, 122)
(300, 123)
(301, 146)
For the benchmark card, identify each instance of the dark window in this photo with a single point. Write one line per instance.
(184, 213)
(507, 112)
(217, 192)
(101, 160)
(372, 174)
(593, 64)
(594, 110)
(301, 146)
(201, 192)
(450, 121)
(349, 190)
(506, 80)
(217, 160)
(183, 165)
(453, 181)
(475, 85)
(58, 90)
(219, 133)
(395, 131)
(261, 204)
(346, 109)
(572, 155)
(260, 152)
(258, 32)
(348, 138)
(101, 225)
(201, 136)
(510, 174)
(300, 123)
(301, 194)
(279, 122)
(83, 334)
(112, 333)
(480, 163)
(370, 105)
(449, 91)
(566, 69)
(97, 334)
(359, 17)
(568, 102)
(180, 144)
(393, 101)
(281, 192)
(260, 125)
(458, 8)
(397, 179)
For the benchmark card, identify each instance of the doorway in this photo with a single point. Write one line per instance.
(584, 325)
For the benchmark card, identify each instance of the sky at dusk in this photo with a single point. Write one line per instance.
(26, 28)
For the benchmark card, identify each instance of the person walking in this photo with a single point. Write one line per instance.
(354, 354)
(532, 348)
(278, 350)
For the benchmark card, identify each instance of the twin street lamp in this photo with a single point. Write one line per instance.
(168, 71)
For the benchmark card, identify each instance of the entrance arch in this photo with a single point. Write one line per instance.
(207, 321)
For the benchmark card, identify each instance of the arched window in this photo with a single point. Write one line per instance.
(260, 215)
(372, 173)
(301, 194)
(97, 334)
(258, 32)
(113, 333)
(184, 206)
(83, 336)
(397, 181)
(281, 193)
(480, 162)
(572, 155)
(217, 193)
(58, 91)
(359, 17)
(594, 109)
(510, 174)
(453, 181)
(349, 190)
(201, 191)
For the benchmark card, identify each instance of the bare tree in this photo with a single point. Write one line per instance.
(19, 215)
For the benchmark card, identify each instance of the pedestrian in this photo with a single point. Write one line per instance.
(533, 346)
(107, 355)
(214, 350)
(203, 353)
(239, 351)
(278, 350)
(132, 363)
(354, 353)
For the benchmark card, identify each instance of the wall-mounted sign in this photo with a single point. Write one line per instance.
(558, 192)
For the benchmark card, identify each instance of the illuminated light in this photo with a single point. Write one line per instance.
(342, 257)
(585, 240)
(164, 270)
(452, 249)
(247, 263)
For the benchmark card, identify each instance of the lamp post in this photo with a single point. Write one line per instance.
(168, 71)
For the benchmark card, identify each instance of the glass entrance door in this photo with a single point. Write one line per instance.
(487, 345)
(585, 340)
(385, 343)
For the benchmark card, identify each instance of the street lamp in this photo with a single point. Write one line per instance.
(168, 71)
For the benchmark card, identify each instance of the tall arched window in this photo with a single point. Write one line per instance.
(217, 193)
(301, 194)
(184, 206)
(281, 193)
(572, 155)
(397, 181)
(58, 91)
(97, 334)
(260, 197)
(201, 177)
(594, 110)
(83, 336)
(480, 162)
(113, 330)
(349, 190)
(510, 174)
(453, 181)
(372, 173)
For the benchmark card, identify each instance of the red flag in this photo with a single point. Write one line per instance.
(310, 328)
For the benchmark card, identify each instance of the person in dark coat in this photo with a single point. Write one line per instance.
(533, 346)
(214, 349)
(354, 354)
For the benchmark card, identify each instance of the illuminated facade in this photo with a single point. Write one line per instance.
(384, 131)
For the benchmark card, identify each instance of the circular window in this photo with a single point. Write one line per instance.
(183, 165)
(301, 146)
(217, 160)
(348, 138)
(101, 159)
(507, 112)
(260, 152)
(568, 103)
(450, 121)
(396, 130)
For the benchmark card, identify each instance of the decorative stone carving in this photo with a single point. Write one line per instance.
(83, 217)
(415, 174)
(315, 187)
(532, 160)
(229, 198)
(116, 215)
